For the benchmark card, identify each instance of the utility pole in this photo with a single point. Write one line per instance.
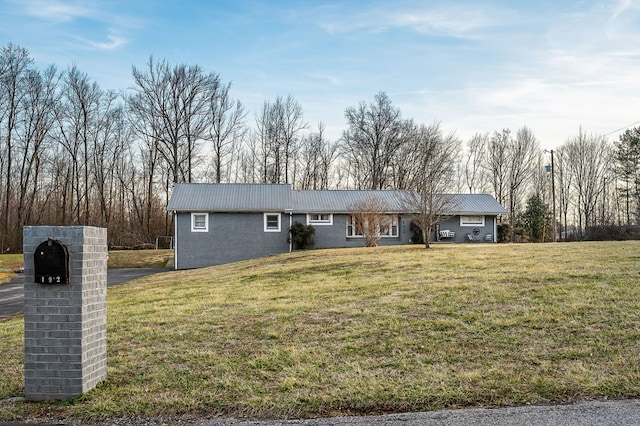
(553, 194)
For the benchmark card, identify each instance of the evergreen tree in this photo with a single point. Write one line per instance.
(627, 155)
(537, 219)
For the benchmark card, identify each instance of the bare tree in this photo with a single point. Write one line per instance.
(40, 102)
(141, 185)
(279, 125)
(369, 216)
(607, 201)
(76, 119)
(373, 138)
(294, 124)
(110, 138)
(522, 153)
(434, 160)
(248, 161)
(270, 142)
(564, 185)
(497, 164)
(402, 169)
(588, 156)
(540, 179)
(325, 169)
(315, 160)
(172, 106)
(510, 164)
(194, 89)
(14, 66)
(476, 154)
(227, 128)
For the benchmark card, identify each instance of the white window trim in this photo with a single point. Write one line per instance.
(464, 222)
(193, 222)
(279, 222)
(393, 216)
(320, 222)
(351, 223)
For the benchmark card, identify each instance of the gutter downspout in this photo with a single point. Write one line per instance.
(290, 225)
(175, 241)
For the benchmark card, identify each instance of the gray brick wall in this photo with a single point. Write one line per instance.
(65, 325)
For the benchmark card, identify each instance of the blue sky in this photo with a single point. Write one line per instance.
(474, 66)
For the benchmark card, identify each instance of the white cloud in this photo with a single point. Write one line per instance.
(80, 23)
(446, 20)
(552, 70)
(54, 10)
(553, 110)
(326, 78)
(113, 43)
(623, 6)
(450, 21)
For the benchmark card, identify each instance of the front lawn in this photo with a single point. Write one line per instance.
(363, 331)
(140, 258)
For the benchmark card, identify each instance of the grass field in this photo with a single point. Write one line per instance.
(362, 331)
(140, 258)
(9, 262)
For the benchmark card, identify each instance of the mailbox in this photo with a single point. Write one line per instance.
(51, 263)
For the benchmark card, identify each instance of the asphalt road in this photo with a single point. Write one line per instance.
(12, 293)
(592, 413)
(608, 413)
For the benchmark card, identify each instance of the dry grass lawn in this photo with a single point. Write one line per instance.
(361, 331)
(8, 263)
(140, 258)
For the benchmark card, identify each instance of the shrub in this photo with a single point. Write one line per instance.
(612, 233)
(504, 232)
(301, 236)
(416, 238)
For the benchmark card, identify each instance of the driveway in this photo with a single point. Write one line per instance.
(12, 293)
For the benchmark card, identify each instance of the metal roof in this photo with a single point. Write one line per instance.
(244, 197)
(230, 197)
(342, 201)
(476, 204)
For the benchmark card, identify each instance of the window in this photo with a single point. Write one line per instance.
(390, 226)
(272, 222)
(387, 227)
(471, 220)
(199, 222)
(320, 219)
(352, 228)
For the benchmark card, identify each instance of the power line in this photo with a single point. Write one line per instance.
(623, 128)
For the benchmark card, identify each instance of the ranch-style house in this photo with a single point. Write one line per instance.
(222, 223)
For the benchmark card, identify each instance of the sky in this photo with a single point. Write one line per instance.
(554, 66)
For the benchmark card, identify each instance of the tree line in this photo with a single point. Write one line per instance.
(72, 153)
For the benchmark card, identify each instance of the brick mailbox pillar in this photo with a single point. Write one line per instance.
(65, 310)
